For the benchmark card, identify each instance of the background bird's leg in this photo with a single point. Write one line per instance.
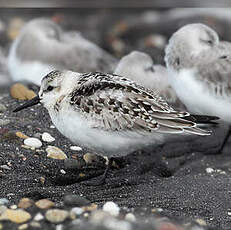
(225, 141)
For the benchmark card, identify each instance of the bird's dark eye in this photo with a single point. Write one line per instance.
(224, 57)
(50, 88)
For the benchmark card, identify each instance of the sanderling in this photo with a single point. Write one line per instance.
(200, 66)
(43, 46)
(108, 113)
(139, 67)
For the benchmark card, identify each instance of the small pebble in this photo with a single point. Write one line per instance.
(38, 217)
(47, 137)
(4, 201)
(5, 167)
(130, 217)
(44, 204)
(77, 211)
(63, 171)
(25, 203)
(209, 170)
(111, 208)
(21, 92)
(4, 122)
(21, 135)
(76, 148)
(14, 206)
(2, 108)
(201, 222)
(23, 226)
(55, 153)
(59, 227)
(75, 200)
(56, 215)
(33, 142)
(90, 157)
(16, 216)
(35, 224)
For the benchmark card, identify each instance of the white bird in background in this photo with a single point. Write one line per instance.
(200, 69)
(43, 46)
(5, 78)
(139, 67)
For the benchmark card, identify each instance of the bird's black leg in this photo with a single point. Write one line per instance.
(102, 180)
(224, 141)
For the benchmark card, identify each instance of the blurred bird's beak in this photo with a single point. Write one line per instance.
(33, 101)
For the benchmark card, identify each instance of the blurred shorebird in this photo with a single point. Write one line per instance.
(139, 67)
(42, 46)
(108, 113)
(200, 70)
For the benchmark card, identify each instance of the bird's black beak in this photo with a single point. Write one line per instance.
(33, 101)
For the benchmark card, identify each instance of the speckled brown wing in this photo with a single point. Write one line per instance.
(118, 104)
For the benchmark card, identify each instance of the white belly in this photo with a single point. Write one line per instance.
(197, 97)
(109, 143)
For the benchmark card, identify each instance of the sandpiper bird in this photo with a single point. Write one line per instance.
(139, 67)
(200, 68)
(42, 46)
(108, 113)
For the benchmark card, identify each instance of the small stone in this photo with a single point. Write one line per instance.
(21, 92)
(130, 217)
(75, 200)
(76, 148)
(201, 222)
(38, 217)
(71, 164)
(16, 216)
(35, 224)
(21, 135)
(33, 142)
(47, 137)
(4, 201)
(44, 204)
(4, 122)
(59, 227)
(111, 208)
(3, 208)
(56, 215)
(63, 171)
(2, 108)
(55, 153)
(90, 208)
(76, 211)
(25, 203)
(23, 226)
(14, 206)
(82, 174)
(5, 167)
(209, 170)
(90, 157)
(42, 180)
(98, 217)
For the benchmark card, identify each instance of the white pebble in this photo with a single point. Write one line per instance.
(63, 171)
(229, 213)
(76, 148)
(33, 142)
(111, 208)
(38, 217)
(47, 137)
(209, 170)
(130, 217)
(77, 211)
